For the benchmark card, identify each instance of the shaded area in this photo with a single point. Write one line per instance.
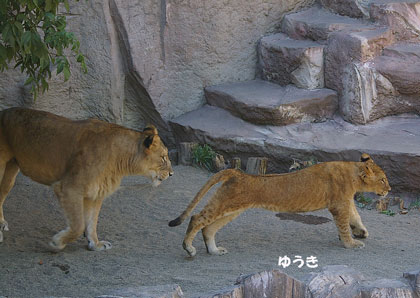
(306, 219)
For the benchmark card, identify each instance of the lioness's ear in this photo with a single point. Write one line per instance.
(365, 157)
(150, 128)
(148, 141)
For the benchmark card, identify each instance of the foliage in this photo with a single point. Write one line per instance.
(33, 36)
(415, 204)
(362, 201)
(388, 212)
(299, 165)
(203, 155)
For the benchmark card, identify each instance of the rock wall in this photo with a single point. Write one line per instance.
(149, 61)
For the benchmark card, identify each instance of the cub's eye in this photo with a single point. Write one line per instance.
(383, 180)
(163, 158)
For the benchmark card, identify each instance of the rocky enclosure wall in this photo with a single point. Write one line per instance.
(149, 60)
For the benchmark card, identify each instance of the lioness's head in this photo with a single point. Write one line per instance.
(156, 164)
(373, 177)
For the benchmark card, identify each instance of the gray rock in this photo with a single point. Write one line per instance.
(285, 61)
(273, 283)
(262, 102)
(402, 17)
(386, 288)
(233, 292)
(393, 142)
(348, 47)
(351, 8)
(386, 85)
(334, 281)
(163, 291)
(149, 61)
(316, 23)
(413, 278)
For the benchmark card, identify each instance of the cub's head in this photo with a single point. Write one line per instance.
(155, 163)
(373, 177)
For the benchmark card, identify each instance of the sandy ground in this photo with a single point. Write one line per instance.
(147, 252)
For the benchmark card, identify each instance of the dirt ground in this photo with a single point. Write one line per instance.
(146, 252)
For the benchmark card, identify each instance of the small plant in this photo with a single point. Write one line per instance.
(362, 201)
(299, 165)
(388, 212)
(415, 204)
(202, 156)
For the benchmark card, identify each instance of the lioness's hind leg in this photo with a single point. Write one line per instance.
(341, 219)
(357, 227)
(9, 172)
(72, 204)
(92, 208)
(210, 231)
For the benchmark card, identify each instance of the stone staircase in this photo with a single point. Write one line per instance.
(334, 83)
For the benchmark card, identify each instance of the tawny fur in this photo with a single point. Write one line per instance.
(330, 185)
(83, 161)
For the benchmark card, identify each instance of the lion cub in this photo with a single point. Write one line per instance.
(329, 185)
(83, 161)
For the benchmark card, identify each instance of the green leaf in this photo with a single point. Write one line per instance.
(66, 72)
(29, 81)
(48, 5)
(66, 5)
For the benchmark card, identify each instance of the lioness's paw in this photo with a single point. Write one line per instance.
(4, 226)
(102, 245)
(219, 252)
(190, 249)
(354, 244)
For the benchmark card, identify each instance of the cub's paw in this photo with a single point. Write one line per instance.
(101, 245)
(360, 233)
(354, 244)
(189, 249)
(56, 246)
(220, 251)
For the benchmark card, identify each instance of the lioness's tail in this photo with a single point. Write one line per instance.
(220, 176)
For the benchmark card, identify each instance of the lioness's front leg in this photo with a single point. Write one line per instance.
(91, 213)
(8, 176)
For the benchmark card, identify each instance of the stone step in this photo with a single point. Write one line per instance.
(403, 17)
(317, 23)
(262, 102)
(386, 85)
(393, 142)
(348, 47)
(289, 61)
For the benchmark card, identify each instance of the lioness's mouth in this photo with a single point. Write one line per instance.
(382, 194)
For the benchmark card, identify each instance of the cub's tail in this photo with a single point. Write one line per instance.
(216, 178)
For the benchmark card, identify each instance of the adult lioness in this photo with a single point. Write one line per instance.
(329, 185)
(84, 161)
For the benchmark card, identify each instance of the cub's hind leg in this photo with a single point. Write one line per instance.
(197, 222)
(210, 231)
(357, 227)
(71, 202)
(9, 173)
(342, 218)
(92, 207)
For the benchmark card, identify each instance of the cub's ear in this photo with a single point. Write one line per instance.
(365, 157)
(150, 128)
(365, 171)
